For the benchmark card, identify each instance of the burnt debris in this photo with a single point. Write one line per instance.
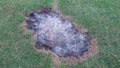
(57, 34)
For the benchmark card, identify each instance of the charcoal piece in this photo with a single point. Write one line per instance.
(39, 45)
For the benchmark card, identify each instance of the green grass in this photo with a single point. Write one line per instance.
(100, 17)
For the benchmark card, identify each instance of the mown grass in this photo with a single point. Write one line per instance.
(102, 19)
(16, 47)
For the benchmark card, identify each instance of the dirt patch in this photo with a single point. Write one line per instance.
(55, 5)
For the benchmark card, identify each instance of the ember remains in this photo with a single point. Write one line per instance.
(57, 34)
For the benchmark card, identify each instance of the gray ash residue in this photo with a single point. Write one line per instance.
(57, 34)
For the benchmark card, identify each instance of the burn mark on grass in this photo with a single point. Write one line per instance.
(58, 35)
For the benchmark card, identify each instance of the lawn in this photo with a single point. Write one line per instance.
(100, 17)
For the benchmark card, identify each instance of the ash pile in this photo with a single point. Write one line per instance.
(57, 34)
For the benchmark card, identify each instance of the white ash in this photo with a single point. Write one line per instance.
(57, 34)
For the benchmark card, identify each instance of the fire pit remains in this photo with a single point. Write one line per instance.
(57, 34)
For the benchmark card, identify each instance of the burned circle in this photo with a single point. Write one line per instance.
(57, 34)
